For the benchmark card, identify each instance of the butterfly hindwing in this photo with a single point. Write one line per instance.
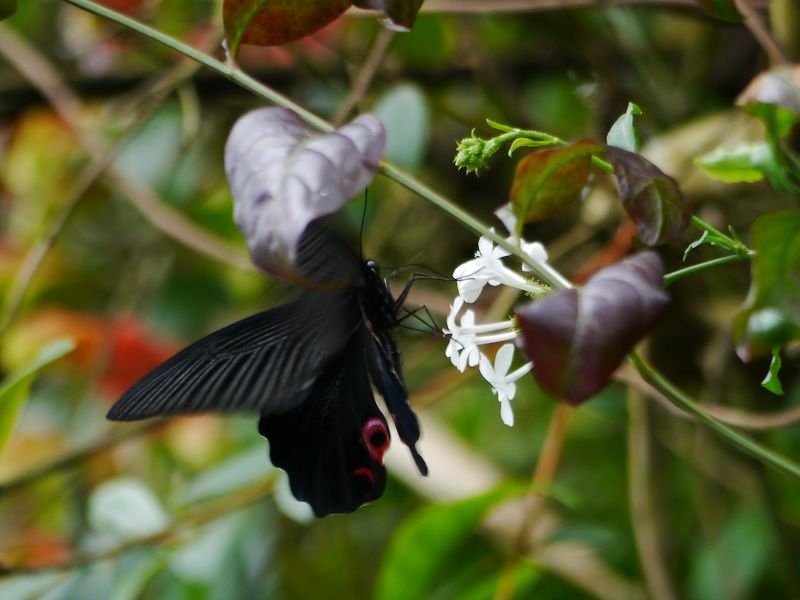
(332, 445)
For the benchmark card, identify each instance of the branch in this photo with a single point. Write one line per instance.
(34, 66)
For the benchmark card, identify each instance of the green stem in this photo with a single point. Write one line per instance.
(682, 401)
(555, 141)
(230, 71)
(670, 278)
(544, 272)
(719, 238)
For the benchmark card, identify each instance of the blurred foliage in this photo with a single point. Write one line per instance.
(191, 508)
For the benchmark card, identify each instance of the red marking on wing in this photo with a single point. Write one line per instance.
(376, 438)
(367, 473)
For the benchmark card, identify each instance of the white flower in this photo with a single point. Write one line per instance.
(461, 349)
(487, 267)
(474, 274)
(466, 337)
(503, 383)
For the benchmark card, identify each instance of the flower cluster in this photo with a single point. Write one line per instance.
(466, 335)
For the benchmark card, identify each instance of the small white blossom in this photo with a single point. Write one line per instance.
(466, 337)
(461, 349)
(535, 251)
(487, 267)
(503, 383)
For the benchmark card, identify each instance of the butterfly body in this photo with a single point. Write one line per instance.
(307, 369)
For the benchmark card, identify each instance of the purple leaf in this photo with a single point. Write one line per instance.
(650, 197)
(577, 338)
(284, 174)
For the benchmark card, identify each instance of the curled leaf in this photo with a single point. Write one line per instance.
(779, 86)
(772, 380)
(549, 179)
(623, 134)
(284, 174)
(577, 338)
(651, 198)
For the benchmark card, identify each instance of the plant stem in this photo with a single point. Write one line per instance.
(682, 401)
(543, 271)
(231, 72)
(546, 273)
(670, 278)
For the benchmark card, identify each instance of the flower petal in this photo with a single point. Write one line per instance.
(502, 361)
(506, 412)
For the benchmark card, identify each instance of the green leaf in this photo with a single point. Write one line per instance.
(742, 164)
(16, 389)
(622, 133)
(770, 316)
(651, 198)
(126, 509)
(548, 180)
(405, 115)
(733, 564)
(527, 143)
(426, 540)
(772, 381)
(500, 126)
(7, 8)
(275, 22)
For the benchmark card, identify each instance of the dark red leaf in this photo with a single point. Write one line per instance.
(549, 179)
(275, 22)
(650, 197)
(577, 338)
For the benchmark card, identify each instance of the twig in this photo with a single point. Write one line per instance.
(643, 515)
(365, 74)
(193, 519)
(512, 6)
(730, 416)
(678, 398)
(753, 22)
(42, 75)
(76, 456)
(543, 476)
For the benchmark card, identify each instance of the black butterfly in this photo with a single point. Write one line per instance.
(306, 368)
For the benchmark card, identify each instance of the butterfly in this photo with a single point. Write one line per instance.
(307, 368)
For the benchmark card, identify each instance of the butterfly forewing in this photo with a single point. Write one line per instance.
(264, 363)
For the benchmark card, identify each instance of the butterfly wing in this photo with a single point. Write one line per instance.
(387, 376)
(266, 362)
(332, 444)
